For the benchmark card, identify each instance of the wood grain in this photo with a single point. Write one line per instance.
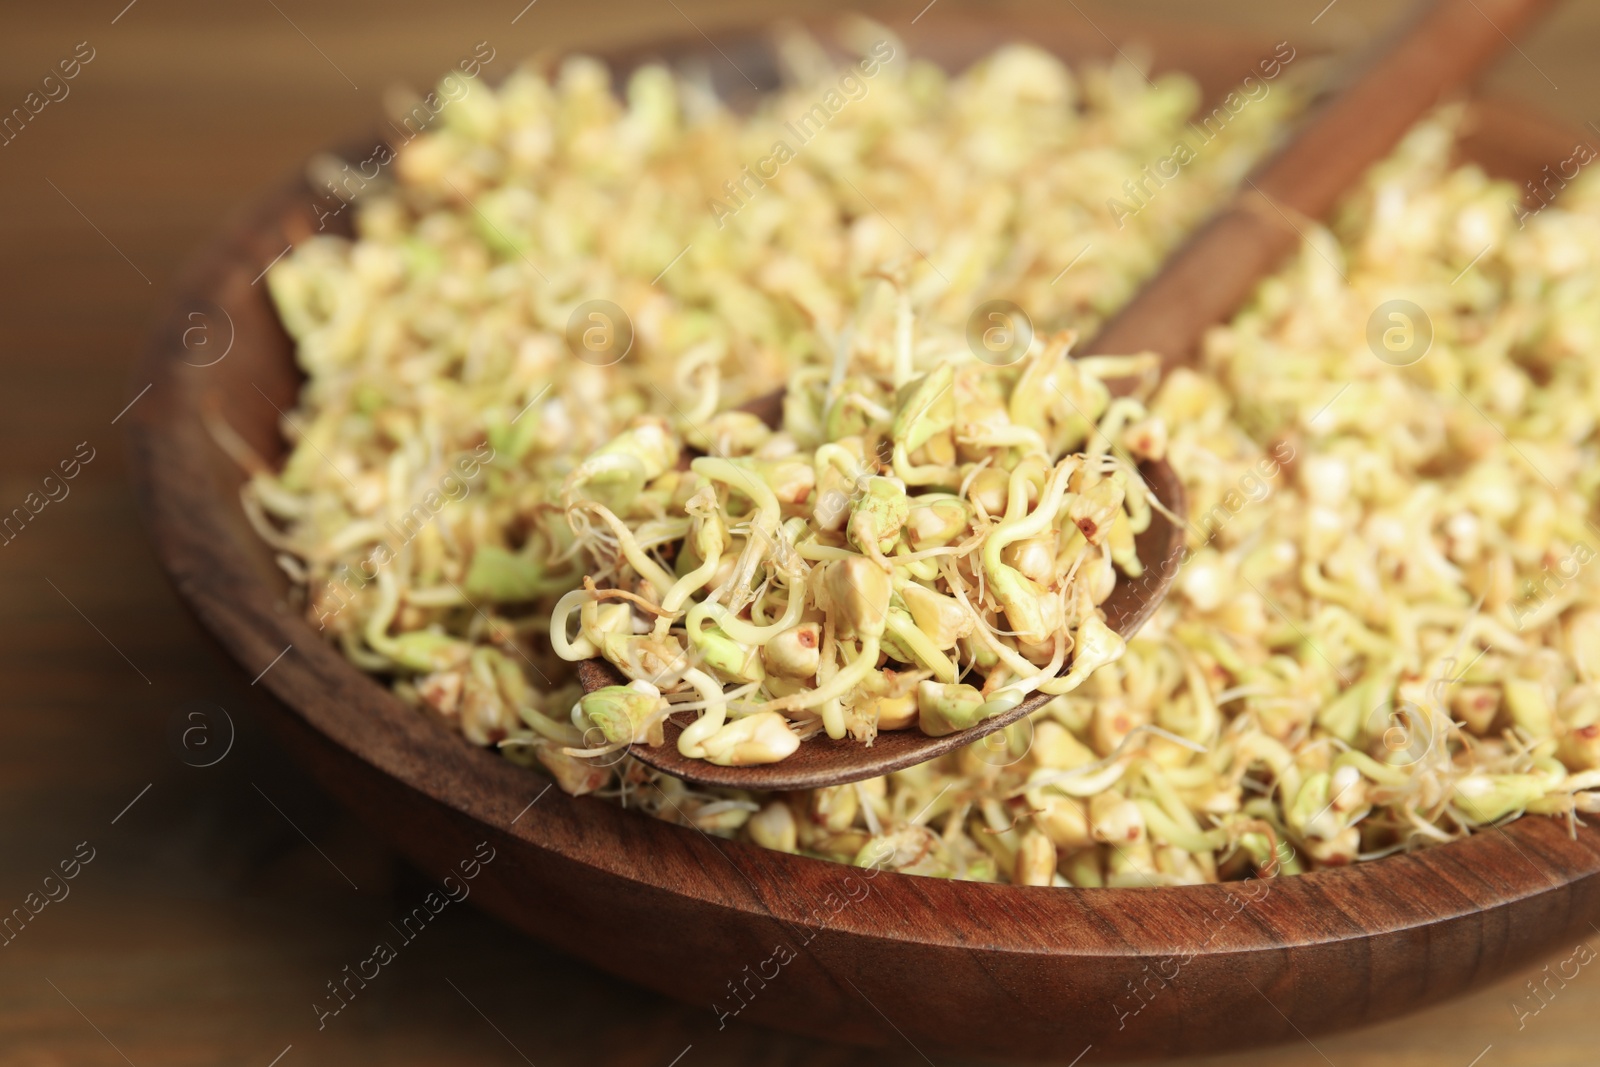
(206, 923)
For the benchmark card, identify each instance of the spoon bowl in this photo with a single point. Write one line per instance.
(823, 761)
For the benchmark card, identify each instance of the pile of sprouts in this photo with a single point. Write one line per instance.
(1385, 633)
(904, 530)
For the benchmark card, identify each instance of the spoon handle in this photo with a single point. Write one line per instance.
(1439, 50)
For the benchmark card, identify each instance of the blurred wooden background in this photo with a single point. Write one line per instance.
(207, 922)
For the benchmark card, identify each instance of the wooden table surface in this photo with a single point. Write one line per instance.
(219, 900)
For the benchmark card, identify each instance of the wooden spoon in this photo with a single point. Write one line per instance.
(1201, 284)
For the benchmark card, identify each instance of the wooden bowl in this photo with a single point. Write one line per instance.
(810, 946)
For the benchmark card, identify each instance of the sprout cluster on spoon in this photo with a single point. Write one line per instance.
(913, 547)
